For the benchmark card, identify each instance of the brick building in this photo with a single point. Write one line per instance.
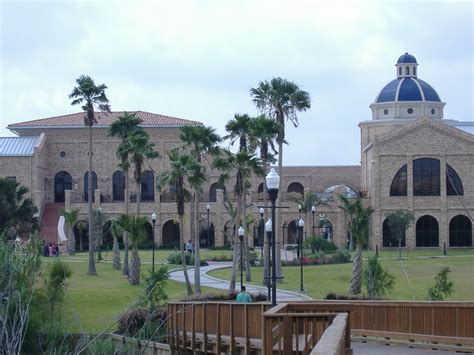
(411, 158)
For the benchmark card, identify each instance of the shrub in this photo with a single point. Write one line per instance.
(222, 257)
(336, 296)
(154, 291)
(329, 247)
(377, 280)
(342, 256)
(231, 296)
(132, 321)
(443, 287)
(55, 281)
(253, 258)
(175, 258)
(314, 243)
(225, 247)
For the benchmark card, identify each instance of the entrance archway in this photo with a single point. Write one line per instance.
(460, 232)
(427, 232)
(292, 233)
(62, 182)
(206, 235)
(171, 234)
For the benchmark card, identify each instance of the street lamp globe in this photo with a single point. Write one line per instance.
(261, 211)
(268, 225)
(153, 216)
(300, 207)
(272, 179)
(313, 209)
(208, 207)
(301, 223)
(241, 232)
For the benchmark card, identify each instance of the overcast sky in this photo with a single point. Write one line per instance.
(198, 60)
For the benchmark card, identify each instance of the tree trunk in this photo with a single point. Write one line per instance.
(183, 257)
(91, 267)
(139, 194)
(116, 255)
(266, 249)
(81, 248)
(71, 241)
(134, 277)
(356, 271)
(236, 253)
(278, 235)
(125, 270)
(351, 242)
(399, 249)
(197, 256)
(248, 276)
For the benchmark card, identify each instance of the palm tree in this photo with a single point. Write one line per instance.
(184, 171)
(359, 227)
(135, 226)
(90, 96)
(349, 207)
(125, 125)
(399, 221)
(70, 218)
(244, 165)
(16, 209)
(117, 232)
(280, 99)
(203, 141)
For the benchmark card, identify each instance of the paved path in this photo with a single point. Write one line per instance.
(209, 281)
(378, 349)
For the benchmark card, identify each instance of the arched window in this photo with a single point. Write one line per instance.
(426, 180)
(427, 232)
(296, 187)
(453, 182)
(399, 70)
(260, 188)
(148, 186)
(460, 232)
(213, 191)
(62, 182)
(407, 70)
(399, 183)
(86, 185)
(118, 186)
(171, 234)
(389, 240)
(414, 71)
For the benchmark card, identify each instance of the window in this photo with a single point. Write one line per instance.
(385, 112)
(213, 191)
(427, 232)
(118, 186)
(399, 70)
(414, 71)
(148, 186)
(426, 181)
(296, 187)
(407, 71)
(388, 240)
(433, 111)
(86, 185)
(460, 232)
(410, 111)
(453, 182)
(399, 183)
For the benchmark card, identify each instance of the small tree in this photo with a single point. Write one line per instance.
(399, 221)
(55, 284)
(154, 292)
(443, 287)
(377, 280)
(117, 232)
(135, 226)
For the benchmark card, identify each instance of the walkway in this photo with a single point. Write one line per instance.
(209, 281)
(377, 349)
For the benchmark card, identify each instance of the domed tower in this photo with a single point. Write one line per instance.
(407, 96)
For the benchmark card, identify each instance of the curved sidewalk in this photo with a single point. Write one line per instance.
(209, 281)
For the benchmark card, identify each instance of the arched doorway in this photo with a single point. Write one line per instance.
(206, 235)
(427, 232)
(292, 233)
(229, 232)
(388, 240)
(171, 234)
(326, 228)
(62, 182)
(81, 235)
(460, 232)
(296, 188)
(213, 191)
(86, 186)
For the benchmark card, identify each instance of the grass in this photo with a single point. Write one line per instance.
(319, 280)
(93, 303)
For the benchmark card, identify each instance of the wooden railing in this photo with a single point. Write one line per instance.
(335, 339)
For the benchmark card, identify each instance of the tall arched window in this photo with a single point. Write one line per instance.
(388, 240)
(460, 232)
(407, 70)
(62, 182)
(426, 180)
(213, 191)
(399, 183)
(399, 70)
(118, 186)
(171, 234)
(427, 232)
(453, 182)
(296, 187)
(148, 186)
(414, 71)
(86, 185)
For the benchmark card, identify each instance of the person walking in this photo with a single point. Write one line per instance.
(243, 296)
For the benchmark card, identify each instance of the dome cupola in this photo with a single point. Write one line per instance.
(407, 96)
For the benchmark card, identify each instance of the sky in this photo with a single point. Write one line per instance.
(198, 59)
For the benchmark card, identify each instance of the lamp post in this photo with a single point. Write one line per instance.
(322, 216)
(241, 238)
(313, 211)
(261, 229)
(273, 182)
(299, 209)
(99, 242)
(153, 221)
(268, 229)
(300, 233)
(208, 208)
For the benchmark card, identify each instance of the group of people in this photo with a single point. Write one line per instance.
(51, 249)
(189, 247)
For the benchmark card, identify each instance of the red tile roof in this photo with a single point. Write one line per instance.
(103, 119)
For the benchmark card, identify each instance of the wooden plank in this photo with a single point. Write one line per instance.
(204, 321)
(218, 335)
(287, 326)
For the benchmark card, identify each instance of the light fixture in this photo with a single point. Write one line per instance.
(153, 216)
(208, 207)
(261, 211)
(313, 209)
(272, 180)
(268, 225)
(301, 223)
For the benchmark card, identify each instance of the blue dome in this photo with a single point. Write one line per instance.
(406, 58)
(407, 89)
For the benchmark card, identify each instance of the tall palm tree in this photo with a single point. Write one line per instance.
(202, 141)
(70, 218)
(359, 227)
(184, 171)
(117, 232)
(350, 208)
(135, 226)
(244, 165)
(282, 100)
(91, 97)
(126, 124)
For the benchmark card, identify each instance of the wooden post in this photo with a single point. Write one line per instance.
(193, 330)
(204, 330)
(218, 335)
(287, 334)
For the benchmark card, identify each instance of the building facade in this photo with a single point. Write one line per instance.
(411, 158)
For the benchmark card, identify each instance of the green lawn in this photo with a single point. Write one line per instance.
(322, 279)
(94, 302)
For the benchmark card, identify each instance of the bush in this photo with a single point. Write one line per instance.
(253, 258)
(55, 283)
(175, 258)
(443, 287)
(222, 257)
(319, 258)
(225, 247)
(132, 321)
(329, 247)
(231, 296)
(342, 256)
(377, 280)
(335, 296)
